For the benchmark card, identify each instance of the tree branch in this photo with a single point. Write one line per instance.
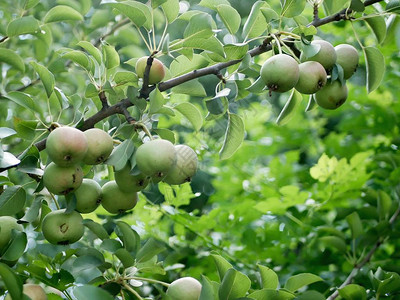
(366, 259)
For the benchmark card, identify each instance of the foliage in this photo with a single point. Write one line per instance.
(289, 202)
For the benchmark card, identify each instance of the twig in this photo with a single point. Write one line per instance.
(144, 92)
(132, 291)
(315, 11)
(3, 39)
(103, 99)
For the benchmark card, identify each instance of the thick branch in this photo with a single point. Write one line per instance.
(366, 259)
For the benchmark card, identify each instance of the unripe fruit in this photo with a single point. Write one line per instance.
(332, 95)
(326, 55)
(60, 228)
(88, 196)
(116, 201)
(157, 70)
(156, 158)
(312, 77)
(100, 146)
(66, 146)
(186, 288)
(61, 181)
(7, 224)
(33, 291)
(347, 57)
(185, 166)
(280, 73)
(128, 182)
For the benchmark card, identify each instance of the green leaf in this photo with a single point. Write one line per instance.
(384, 204)
(129, 237)
(334, 242)
(78, 57)
(212, 4)
(12, 200)
(120, 155)
(333, 6)
(32, 213)
(151, 248)
(378, 26)
(200, 26)
(269, 279)
(85, 292)
(139, 13)
(16, 247)
(252, 19)
(292, 8)
(211, 44)
(355, 225)
(222, 265)
(290, 107)
(111, 245)
(61, 13)
(30, 4)
(271, 294)
(192, 113)
(207, 289)
(269, 14)
(357, 5)
(234, 285)
(46, 77)
(96, 228)
(353, 292)
(156, 101)
(157, 3)
(111, 56)
(296, 282)
(13, 59)
(393, 6)
(25, 129)
(230, 17)
(6, 132)
(11, 281)
(92, 50)
(171, 10)
(192, 88)
(182, 64)
(125, 257)
(125, 78)
(22, 99)
(8, 159)
(166, 134)
(22, 25)
(234, 136)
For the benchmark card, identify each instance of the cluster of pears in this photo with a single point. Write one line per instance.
(68, 148)
(281, 73)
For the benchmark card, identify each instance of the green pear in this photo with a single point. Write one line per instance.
(156, 158)
(157, 70)
(280, 73)
(66, 146)
(326, 55)
(332, 95)
(7, 224)
(128, 182)
(186, 288)
(62, 180)
(347, 57)
(61, 228)
(312, 77)
(185, 166)
(33, 291)
(116, 201)
(100, 146)
(88, 196)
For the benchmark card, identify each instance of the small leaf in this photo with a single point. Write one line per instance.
(393, 6)
(129, 237)
(151, 248)
(78, 57)
(234, 285)
(120, 155)
(171, 10)
(269, 279)
(212, 4)
(334, 242)
(353, 292)
(125, 257)
(96, 228)
(272, 294)
(378, 26)
(200, 26)
(311, 103)
(16, 247)
(192, 88)
(13, 59)
(11, 281)
(157, 3)
(156, 101)
(8, 160)
(230, 17)
(296, 282)
(269, 14)
(12, 200)
(6, 132)
(22, 25)
(234, 136)
(375, 67)
(111, 56)
(357, 5)
(384, 205)
(355, 225)
(222, 265)
(46, 77)
(191, 113)
(62, 13)
(252, 18)
(207, 289)
(292, 8)
(289, 109)
(92, 50)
